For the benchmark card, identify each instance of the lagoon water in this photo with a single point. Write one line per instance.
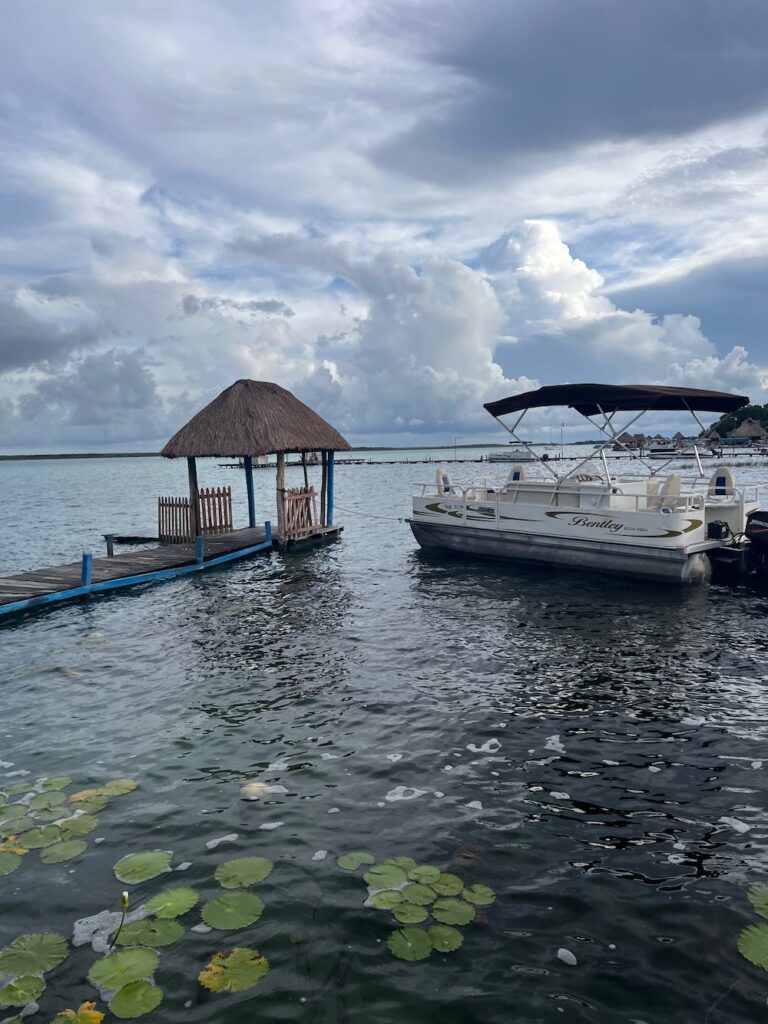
(594, 750)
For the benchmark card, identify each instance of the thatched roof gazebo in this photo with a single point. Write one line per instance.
(253, 418)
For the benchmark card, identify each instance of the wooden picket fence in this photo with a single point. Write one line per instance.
(214, 509)
(300, 512)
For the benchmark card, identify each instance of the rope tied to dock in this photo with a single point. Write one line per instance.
(370, 515)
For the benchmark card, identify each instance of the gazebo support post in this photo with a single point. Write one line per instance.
(323, 489)
(248, 464)
(304, 467)
(194, 519)
(329, 516)
(281, 496)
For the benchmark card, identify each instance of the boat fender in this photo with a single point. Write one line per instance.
(444, 482)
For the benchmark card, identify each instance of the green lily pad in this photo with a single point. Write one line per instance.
(386, 899)
(410, 913)
(34, 953)
(150, 932)
(406, 863)
(59, 852)
(243, 871)
(449, 911)
(758, 897)
(136, 999)
(415, 892)
(424, 873)
(172, 902)
(17, 788)
(118, 787)
(15, 826)
(119, 969)
(140, 867)
(353, 861)
(385, 876)
(21, 991)
(233, 910)
(410, 944)
(93, 804)
(79, 826)
(482, 895)
(236, 971)
(45, 801)
(444, 938)
(60, 782)
(8, 863)
(39, 838)
(54, 814)
(753, 944)
(447, 885)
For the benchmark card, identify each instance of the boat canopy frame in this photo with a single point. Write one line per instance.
(591, 400)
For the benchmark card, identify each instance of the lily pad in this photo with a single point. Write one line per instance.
(54, 814)
(386, 899)
(172, 902)
(136, 999)
(150, 932)
(243, 871)
(39, 838)
(410, 944)
(233, 910)
(93, 805)
(60, 852)
(444, 938)
(353, 861)
(415, 892)
(117, 787)
(410, 913)
(34, 953)
(11, 846)
(753, 944)
(482, 895)
(424, 873)
(236, 971)
(84, 794)
(449, 911)
(8, 863)
(758, 897)
(406, 863)
(60, 782)
(17, 788)
(86, 1013)
(45, 801)
(119, 969)
(140, 867)
(79, 826)
(21, 991)
(385, 876)
(15, 826)
(447, 885)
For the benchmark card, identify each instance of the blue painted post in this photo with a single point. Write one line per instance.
(248, 463)
(329, 518)
(267, 532)
(199, 550)
(86, 571)
(110, 539)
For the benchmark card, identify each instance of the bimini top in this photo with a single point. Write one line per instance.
(589, 399)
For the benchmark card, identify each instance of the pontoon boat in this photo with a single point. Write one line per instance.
(652, 528)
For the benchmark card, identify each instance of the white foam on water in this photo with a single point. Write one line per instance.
(269, 825)
(99, 928)
(334, 810)
(394, 757)
(756, 764)
(201, 929)
(615, 763)
(325, 756)
(404, 793)
(213, 843)
(6, 764)
(319, 855)
(654, 768)
(439, 795)
(277, 766)
(21, 771)
(489, 747)
(736, 825)
(184, 866)
(553, 743)
(448, 768)
(475, 805)
(567, 957)
(560, 796)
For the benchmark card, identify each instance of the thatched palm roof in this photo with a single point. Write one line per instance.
(254, 417)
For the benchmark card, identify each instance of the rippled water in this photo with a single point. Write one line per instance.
(594, 750)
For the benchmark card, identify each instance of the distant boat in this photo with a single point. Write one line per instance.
(515, 455)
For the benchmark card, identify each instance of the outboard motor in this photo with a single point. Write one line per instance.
(757, 530)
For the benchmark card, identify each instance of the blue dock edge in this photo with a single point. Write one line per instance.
(149, 577)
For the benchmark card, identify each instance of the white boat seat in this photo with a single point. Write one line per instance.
(652, 492)
(516, 474)
(722, 483)
(443, 480)
(670, 492)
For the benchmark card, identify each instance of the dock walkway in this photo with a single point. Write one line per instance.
(94, 575)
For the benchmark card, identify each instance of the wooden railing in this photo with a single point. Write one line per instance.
(214, 515)
(300, 512)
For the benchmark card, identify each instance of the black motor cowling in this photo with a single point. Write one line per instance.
(757, 529)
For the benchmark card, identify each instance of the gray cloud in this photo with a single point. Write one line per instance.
(26, 341)
(544, 75)
(192, 304)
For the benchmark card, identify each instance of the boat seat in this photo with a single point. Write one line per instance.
(653, 492)
(722, 483)
(516, 474)
(669, 493)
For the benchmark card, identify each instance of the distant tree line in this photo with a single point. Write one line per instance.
(731, 420)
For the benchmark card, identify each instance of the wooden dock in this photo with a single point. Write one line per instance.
(96, 575)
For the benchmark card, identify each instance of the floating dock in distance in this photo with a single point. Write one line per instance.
(42, 587)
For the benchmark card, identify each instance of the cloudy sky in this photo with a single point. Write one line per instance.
(399, 209)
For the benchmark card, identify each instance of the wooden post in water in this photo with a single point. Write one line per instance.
(248, 463)
(194, 517)
(280, 495)
(329, 516)
(304, 467)
(323, 489)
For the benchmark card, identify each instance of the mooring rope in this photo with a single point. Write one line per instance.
(370, 515)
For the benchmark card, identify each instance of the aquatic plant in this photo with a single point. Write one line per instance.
(86, 1013)
(140, 867)
(119, 969)
(34, 953)
(22, 990)
(352, 861)
(124, 909)
(243, 871)
(233, 910)
(236, 971)
(57, 853)
(136, 999)
(172, 902)
(150, 932)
